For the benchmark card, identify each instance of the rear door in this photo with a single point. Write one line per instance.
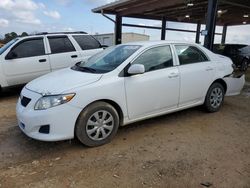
(62, 52)
(197, 73)
(88, 44)
(26, 61)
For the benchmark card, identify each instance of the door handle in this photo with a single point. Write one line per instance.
(74, 56)
(173, 75)
(42, 60)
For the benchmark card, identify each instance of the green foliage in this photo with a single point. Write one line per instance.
(9, 36)
(24, 34)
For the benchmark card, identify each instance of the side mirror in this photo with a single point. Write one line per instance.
(11, 55)
(136, 69)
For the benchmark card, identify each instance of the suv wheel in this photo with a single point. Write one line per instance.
(97, 124)
(214, 98)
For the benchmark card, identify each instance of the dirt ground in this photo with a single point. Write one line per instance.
(183, 149)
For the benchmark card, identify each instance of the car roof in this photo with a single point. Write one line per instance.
(152, 43)
(54, 34)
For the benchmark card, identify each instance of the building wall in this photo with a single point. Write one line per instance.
(109, 39)
(132, 37)
(105, 39)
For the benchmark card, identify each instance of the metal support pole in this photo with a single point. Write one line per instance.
(118, 29)
(211, 23)
(198, 30)
(224, 34)
(159, 28)
(213, 36)
(163, 29)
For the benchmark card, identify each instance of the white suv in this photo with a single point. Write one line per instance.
(24, 59)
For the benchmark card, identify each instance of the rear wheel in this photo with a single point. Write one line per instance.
(97, 124)
(214, 98)
(244, 65)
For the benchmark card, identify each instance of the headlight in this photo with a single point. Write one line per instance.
(52, 100)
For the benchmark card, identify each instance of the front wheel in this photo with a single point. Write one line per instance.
(97, 124)
(214, 98)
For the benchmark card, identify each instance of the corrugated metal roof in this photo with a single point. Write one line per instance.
(231, 11)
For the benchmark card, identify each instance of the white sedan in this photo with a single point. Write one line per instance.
(121, 85)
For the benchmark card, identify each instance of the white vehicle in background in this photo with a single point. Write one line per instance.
(121, 85)
(24, 59)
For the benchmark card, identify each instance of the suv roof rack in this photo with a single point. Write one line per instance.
(70, 32)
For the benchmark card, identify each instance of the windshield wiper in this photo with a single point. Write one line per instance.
(88, 69)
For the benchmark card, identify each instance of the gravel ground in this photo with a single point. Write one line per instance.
(182, 149)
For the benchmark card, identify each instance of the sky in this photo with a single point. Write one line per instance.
(75, 15)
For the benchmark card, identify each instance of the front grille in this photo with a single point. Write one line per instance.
(25, 101)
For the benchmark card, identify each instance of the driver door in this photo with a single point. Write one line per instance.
(26, 61)
(157, 90)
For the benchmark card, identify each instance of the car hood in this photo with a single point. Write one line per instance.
(60, 81)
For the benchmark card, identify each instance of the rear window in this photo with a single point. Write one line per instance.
(60, 44)
(189, 54)
(227, 49)
(231, 49)
(86, 42)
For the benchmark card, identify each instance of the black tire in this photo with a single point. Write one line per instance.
(244, 65)
(86, 114)
(209, 103)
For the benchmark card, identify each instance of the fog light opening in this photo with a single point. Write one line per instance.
(44, 129)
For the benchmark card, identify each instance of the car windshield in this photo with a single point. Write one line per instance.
(6, 46)
(107, 60)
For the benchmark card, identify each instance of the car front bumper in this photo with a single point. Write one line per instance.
(60, 119)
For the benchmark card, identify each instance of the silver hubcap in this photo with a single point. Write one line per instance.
(100, 125)
(216, 97)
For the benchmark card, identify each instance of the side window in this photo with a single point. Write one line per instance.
(86, 42)
(189, 54)
(156, 58)
(29, 48)
(60, 44)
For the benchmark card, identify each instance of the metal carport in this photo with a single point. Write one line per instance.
(210, 12)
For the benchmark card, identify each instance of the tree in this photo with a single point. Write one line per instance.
(13, 34)
(24, 34)
(9, 36)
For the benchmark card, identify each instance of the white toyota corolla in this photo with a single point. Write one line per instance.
(121, 85)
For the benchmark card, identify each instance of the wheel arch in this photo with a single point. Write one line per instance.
(112, 103)
(222, 82)
(116, 106)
